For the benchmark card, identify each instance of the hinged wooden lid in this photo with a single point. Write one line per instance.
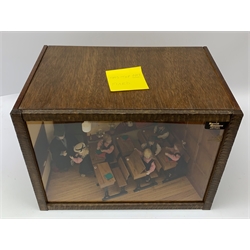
(179, 78)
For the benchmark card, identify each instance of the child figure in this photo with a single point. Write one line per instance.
(173, 157)
(106, 146)
(147, 158)
(152, 145)
(161, 131)
(174, 154)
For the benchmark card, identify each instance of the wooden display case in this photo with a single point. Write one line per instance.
(161, 148)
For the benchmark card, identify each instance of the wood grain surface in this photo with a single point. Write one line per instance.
(73, 78)
(68, 84)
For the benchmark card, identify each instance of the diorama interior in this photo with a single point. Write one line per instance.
(124, 161)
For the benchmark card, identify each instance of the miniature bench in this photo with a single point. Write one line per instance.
(121, 175)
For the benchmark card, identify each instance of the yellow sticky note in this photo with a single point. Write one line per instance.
(126, 79)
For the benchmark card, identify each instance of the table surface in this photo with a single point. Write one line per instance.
(147, 132)
(162, 159)
(95, 158)
(126, 146)
(101, 170)
(135, 165)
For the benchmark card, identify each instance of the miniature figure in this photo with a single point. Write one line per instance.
(82, 157)
(171, 152)
(147, 158)
(124, 127)
(61, 147)
(174, 154)
(106, 146)
(100, 133)
(161, 131)
(152, 145)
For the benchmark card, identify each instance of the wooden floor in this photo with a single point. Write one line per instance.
(71, 187)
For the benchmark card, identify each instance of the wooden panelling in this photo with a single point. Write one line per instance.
(210, 141)
(191, 146)
(194, 130)
(198, 180)
(204, 163)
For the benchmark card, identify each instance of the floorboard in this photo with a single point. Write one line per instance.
(71, 187)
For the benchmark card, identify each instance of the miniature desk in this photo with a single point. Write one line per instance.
(101, 169)
(147, 132)
(125, 145)
(166, 165)
(95, 158)
(137, 170)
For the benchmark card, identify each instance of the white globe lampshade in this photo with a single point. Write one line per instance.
(86, 127)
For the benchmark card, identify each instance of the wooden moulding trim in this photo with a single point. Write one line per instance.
(28, 81)
(225, 85)
(116, 115)
(221, 160)
(123, 205)
(30, 159)
(128, 111)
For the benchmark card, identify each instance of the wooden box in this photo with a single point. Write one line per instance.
(86, 147)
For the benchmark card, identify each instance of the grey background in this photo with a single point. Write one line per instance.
(19, 51)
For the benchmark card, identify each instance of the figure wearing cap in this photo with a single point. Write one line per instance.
(82, 157)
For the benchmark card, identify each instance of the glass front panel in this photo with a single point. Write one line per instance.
(124, 161)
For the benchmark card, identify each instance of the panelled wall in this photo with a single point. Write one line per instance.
(202, 146)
